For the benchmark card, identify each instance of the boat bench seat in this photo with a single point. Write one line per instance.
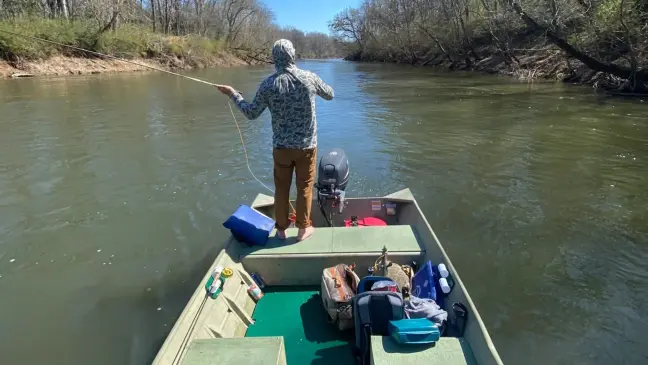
(238, 350)
(301, 263)
(447, 351)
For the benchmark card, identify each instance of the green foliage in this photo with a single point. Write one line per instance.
(608, 11)
(11, 46)
(200, 30)
(204, 46)
(129, 41)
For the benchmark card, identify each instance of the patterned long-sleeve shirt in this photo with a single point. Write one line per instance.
(289, 93)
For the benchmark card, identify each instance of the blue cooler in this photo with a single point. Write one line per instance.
(415, 331)
(249, 226)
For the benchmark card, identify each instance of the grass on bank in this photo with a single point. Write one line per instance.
(129, 41)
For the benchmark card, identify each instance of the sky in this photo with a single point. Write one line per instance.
(308, 15)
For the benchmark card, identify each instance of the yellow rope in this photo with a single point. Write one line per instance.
(247, 161)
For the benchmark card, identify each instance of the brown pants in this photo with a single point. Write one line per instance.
(303, 162)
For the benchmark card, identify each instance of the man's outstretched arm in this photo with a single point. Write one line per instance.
(250, 110)
(323, 90)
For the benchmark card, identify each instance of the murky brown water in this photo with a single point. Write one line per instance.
(113, 190)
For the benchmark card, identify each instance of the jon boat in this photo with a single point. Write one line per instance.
(288, 325)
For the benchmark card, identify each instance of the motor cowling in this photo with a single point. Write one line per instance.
(332, 179)
(333, 171)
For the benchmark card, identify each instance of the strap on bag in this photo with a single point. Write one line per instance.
(344, 274)
(367, 335)
(345, 284)
(352, 278)
(337, 283)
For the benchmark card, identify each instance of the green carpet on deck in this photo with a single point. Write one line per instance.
(297, 314)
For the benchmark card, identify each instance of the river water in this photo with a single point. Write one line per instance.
(113, 190)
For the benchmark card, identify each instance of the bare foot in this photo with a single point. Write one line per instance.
(281, 235)
(304, 233)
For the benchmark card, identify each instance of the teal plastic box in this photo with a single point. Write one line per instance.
(415, 331)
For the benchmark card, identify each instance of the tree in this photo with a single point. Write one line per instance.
(245, 27)
(634, 75)
(236, 12)
(349, 25)
(525, 37)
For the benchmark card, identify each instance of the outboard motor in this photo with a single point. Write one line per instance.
(332, 179)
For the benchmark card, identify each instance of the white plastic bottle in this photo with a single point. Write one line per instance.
(214, 287)
(217, 272)
(443, 283)
(443, 270)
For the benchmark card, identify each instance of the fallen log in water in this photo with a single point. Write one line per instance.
(16, 75)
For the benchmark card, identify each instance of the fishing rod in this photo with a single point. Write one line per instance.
(247, 160)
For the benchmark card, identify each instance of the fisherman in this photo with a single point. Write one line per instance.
(289, 93)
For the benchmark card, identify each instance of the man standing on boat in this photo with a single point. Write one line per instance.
(289, 93)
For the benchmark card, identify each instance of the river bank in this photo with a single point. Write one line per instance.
(528, 62)
(67, 65)
(604, 45)
(43, 47)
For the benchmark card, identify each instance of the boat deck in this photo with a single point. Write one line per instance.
(288, 263)
(236, 351)
(296, 313)
(447, 351)
(367, 240)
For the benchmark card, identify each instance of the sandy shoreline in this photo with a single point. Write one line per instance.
(62, 65)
